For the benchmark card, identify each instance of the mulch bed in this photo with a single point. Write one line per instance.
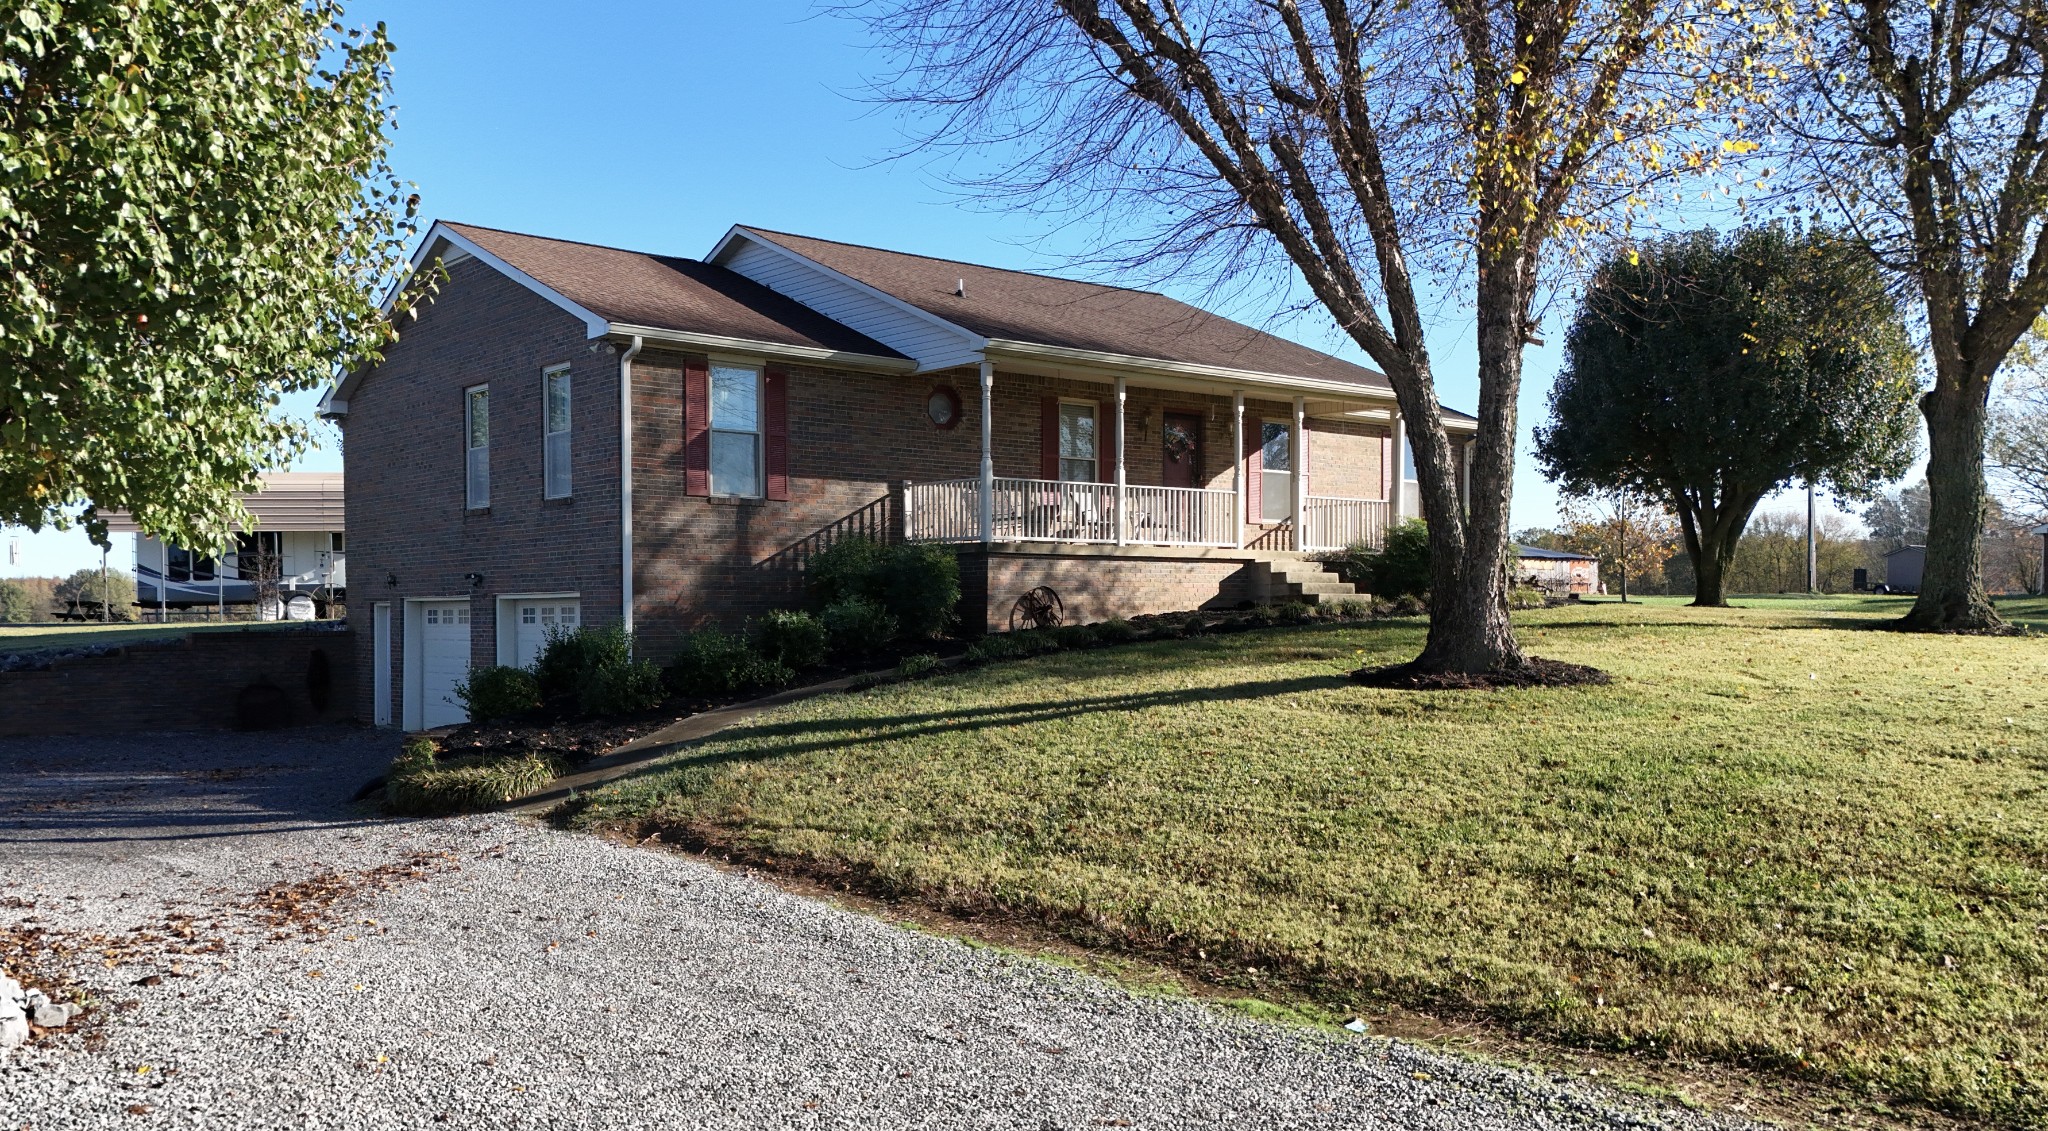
(1534, 672)
(573, 740)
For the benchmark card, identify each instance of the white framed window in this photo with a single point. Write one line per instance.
(735, 431)
(476, 430)
(1078, 459)
(1276, 471)
(555, 432)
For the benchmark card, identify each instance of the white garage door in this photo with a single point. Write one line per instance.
(533, 620)
(444, 662)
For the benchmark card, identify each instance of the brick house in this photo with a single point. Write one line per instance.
(577, 434)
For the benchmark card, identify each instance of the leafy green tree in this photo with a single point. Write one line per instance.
(196, 219)
(117, 593)
(17, 605)
(1920, 127)
(1708, 371)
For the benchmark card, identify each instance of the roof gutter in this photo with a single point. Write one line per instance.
(1238, 378)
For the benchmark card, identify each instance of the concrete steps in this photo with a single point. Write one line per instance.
(1299, 579)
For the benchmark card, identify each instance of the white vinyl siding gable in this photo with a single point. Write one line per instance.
(898, 329)
(555, 408)
(476, 438)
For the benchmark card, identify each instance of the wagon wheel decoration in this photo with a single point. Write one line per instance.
(1039, 608)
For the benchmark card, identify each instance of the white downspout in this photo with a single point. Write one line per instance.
(626, 479)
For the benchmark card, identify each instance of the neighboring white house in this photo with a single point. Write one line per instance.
(299, 537)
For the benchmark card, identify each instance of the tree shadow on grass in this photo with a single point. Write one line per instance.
(763, 742)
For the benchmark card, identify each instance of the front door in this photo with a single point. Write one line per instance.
(1181, 457)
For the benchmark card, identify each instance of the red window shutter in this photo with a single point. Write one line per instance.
(1254, 494)
(1048, 437)
(776, 394)
(696, 428)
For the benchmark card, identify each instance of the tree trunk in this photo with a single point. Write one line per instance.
(1469, 630)
(1952, 597)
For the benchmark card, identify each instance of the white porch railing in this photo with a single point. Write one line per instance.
(1332, 523)
(945, 510)
(1045, 510)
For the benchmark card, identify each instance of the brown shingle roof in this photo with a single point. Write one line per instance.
(668, 293)
(1045, 310)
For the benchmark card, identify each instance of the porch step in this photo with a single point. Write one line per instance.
(1298, 579)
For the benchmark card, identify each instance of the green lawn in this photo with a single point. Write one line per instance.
(2029, 611)
(16, 638)
(1780, 840)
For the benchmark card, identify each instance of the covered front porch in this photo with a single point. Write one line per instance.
(1132, 461)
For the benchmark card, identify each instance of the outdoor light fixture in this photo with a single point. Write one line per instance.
(476, 580)
(391, 580)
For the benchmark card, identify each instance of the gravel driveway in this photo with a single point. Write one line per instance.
(484, 972)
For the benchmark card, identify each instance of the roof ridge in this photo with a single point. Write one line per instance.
(574, 243)
(978, 266)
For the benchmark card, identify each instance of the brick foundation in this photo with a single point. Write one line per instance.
(1100, 583)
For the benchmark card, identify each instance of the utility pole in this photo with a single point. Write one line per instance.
(1812, 547)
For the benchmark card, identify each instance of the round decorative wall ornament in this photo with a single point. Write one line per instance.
(1180, 443)
(942, 407)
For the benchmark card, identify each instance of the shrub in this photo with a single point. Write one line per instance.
(1353, 608)
(498, 693)
(796, 640)
(914, 667)
(920, 586)
(1116, 630)
(917, 583)
(1075, 636)
(434, 788)
(1295, 612)
(715, 665)
(620, 689)
(858, 627)
(995, 647)
(844, 569)
(1526, 597)
(1032, 641)
(594, 669)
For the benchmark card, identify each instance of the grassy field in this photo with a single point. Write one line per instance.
(2031, 612)
(15, 638)
(1779, 841)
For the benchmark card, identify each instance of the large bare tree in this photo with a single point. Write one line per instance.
(1389, 152)
(1922, 129)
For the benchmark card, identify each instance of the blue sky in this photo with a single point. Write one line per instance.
(656, 125)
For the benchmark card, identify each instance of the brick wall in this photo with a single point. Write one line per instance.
(405, 479)
(854, 437)
(191, 683)
(1096, 587)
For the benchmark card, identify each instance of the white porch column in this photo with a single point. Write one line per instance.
(988, 458)
(1399, 477)
(1237, 484)
(1296, 481)
(1123, 527)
